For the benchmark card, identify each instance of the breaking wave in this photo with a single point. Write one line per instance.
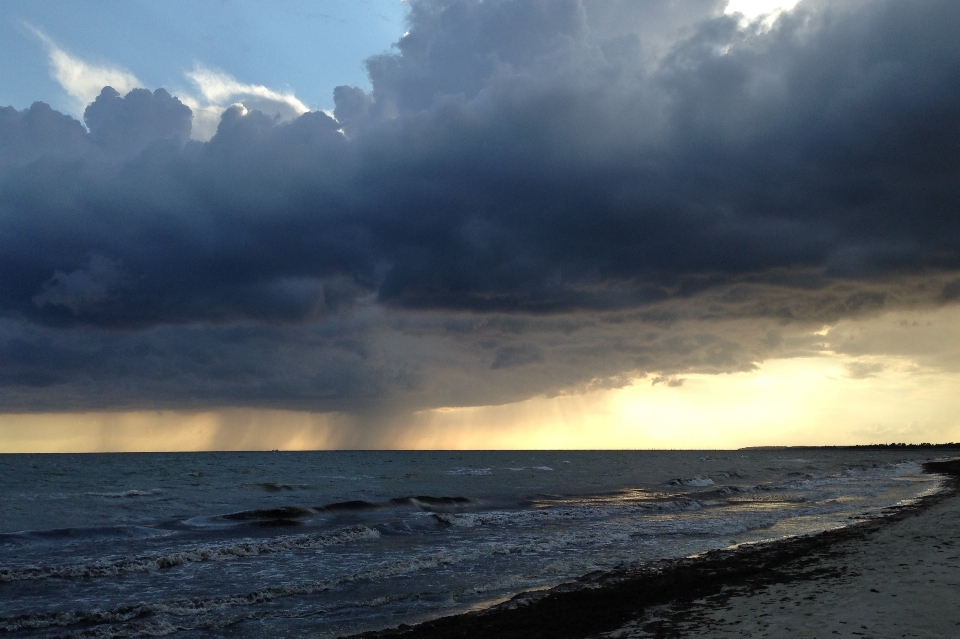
(128, 493)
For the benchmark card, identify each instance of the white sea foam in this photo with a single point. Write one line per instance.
(128, 493)
(694, 482)
(198, 606)
(210, 552)
(563, 514)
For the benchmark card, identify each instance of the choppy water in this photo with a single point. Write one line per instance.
(319, 544)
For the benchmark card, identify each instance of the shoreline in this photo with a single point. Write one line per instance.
(618, 603)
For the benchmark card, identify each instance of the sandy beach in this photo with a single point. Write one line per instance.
(901, 580)
(895, 576)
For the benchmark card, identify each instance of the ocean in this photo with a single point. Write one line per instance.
(324, 544)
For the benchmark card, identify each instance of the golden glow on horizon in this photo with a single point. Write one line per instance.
(828, 398)
(803, 401)
(141, 431)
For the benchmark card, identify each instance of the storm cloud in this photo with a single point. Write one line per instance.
(533, 198)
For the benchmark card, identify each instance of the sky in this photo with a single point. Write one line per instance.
(231, 225)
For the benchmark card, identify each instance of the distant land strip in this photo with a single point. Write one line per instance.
(891, 446)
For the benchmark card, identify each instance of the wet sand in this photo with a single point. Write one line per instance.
(896, 576)
(902, 580)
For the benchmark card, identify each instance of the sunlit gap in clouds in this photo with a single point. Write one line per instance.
(754, 9)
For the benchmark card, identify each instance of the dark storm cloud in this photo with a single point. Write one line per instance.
(128, 124)
(510, 157)
(617, 169)
(363, 363)
(38, 131)
(135, 226)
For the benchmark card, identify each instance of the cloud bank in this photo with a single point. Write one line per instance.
(534, 198)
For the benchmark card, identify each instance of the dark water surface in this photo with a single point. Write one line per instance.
(319, 544)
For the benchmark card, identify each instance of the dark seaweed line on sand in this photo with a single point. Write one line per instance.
(602, 602)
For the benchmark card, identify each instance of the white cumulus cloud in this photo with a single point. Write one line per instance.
(80, 79)
(219, 90)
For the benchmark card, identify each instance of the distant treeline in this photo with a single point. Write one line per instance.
(907, 446)
(894, 446)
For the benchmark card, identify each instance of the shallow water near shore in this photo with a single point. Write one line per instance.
(320, 544)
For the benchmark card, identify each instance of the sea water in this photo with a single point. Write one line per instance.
(322, 544)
